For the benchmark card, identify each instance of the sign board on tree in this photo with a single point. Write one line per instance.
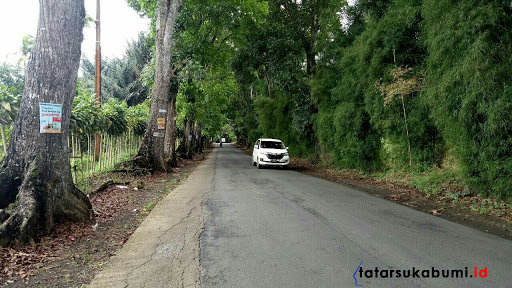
(50, 118)
(161, 123)
(158, 134)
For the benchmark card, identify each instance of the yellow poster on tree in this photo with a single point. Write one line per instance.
(161, 123)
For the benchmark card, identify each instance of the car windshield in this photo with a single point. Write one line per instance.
(272, 145)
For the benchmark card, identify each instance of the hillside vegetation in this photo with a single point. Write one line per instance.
(384, 85)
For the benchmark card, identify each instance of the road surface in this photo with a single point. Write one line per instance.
(281, 228)
(233, 225)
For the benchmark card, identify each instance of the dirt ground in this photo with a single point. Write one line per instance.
(72, 254)
(447, 204)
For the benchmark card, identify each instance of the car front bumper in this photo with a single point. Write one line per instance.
(285, 161)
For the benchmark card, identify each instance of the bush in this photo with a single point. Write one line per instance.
(469, 86)
(275, 121)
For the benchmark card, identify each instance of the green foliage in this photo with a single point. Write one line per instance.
(9, 103)
(85, 117)
(114, 113)
(208, 33)
(121, 78)
(205, 42)
(113, 117)
(11, 76)
(11, 90)
(120, 127)
(368, 134)
(343, 124)
(137, 118)
(356, 142)
(205, 100)
(27, 44)
(275, 122)
(469, 86)
(277, 60)
(432, 179)
(242, 117)
(414, 130)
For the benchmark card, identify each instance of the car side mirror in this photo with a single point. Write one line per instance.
(256, 147)
(287, 148)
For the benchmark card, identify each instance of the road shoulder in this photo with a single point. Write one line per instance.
(164, 250)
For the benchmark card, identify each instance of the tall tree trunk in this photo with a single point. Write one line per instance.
(188, 139)
(170, 134)
(311, 44)
(199, 139)
(194, 144)
(185, 148)
(270, 87)
(151, 152)
(310, 48)
(36, 173)
(4, 139)
(406, 131)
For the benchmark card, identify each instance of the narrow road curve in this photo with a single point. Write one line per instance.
(281, 228)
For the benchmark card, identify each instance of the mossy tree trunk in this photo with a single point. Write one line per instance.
(36, 184)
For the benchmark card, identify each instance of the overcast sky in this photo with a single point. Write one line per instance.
(119, 24)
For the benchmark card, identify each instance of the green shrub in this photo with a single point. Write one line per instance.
(469, 86)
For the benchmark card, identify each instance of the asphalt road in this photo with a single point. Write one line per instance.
(281, 228)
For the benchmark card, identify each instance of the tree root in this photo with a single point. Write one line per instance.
(20, 226)
(7, 184)
(38, 203)
(136, 166)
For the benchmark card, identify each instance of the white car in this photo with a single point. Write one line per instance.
(270, 152)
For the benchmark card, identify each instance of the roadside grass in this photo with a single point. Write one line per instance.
(146, 210)
(444, 185)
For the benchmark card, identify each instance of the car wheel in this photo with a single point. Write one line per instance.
(253, 163)
(258, 164)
